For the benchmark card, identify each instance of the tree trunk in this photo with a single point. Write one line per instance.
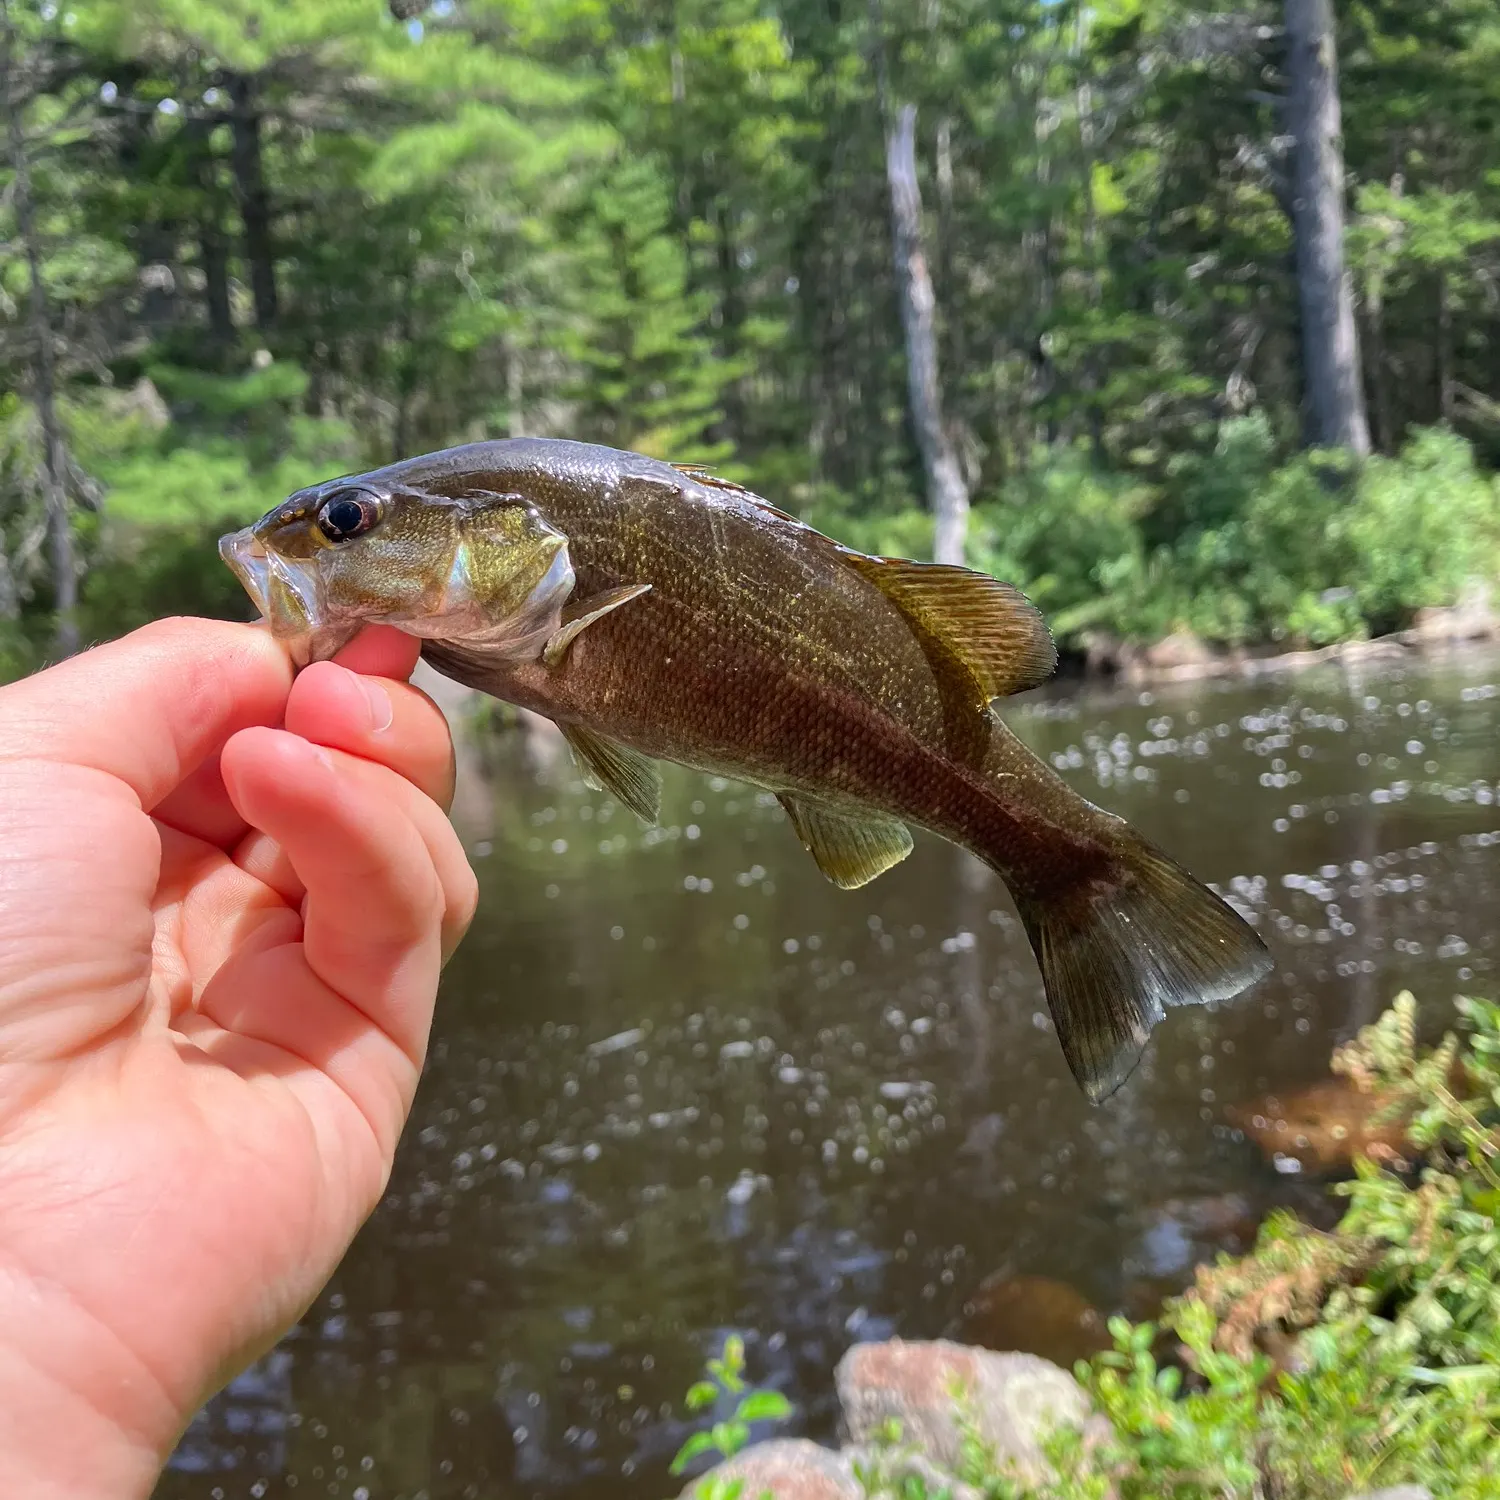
(1382, 430)
(515, 392)
(254, 197)
(1092, 378)
(213, 258)
(954, 352)
(43, 366)
(947, 494)
(1443, 349)
(154, 237)
(213, 248)
(1333, 398)
(10, 595)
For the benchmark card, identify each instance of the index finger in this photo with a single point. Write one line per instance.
(150, 707)
(420, 749)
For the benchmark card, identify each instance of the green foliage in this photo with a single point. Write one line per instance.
(173, 489)
(726, 1382)
(1240, 548)
(648, 378)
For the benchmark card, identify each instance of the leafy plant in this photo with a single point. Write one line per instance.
(726, 1384)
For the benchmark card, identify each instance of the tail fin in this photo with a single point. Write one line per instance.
(1114, 956)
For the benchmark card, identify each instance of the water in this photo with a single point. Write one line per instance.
(680, 1086)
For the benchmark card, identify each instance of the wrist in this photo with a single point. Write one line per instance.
(78, 1421)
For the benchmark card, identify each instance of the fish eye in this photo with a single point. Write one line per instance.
(346, 514)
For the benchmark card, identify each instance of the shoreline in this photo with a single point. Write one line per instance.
(1183, 657)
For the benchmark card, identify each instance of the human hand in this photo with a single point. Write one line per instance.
(225, 897)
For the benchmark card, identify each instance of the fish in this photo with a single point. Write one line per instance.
(658, 612)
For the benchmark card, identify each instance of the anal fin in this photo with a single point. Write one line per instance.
(624, 773)
(851, 848)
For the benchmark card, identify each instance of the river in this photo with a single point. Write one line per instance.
(680, 1086)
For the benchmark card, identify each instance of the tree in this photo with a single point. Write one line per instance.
(16, 90)
(1333, 389)
(947, 495)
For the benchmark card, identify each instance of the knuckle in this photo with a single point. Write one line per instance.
(466, 905)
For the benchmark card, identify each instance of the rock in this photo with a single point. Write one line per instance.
(1320, 1128)
(1180, 649)
(1396, 1492)
(1178, 1233)
(144, 401)
(1015, 1400)
(1473, 618)
(1104, 655)
(1033, 1315)
(789, 1469)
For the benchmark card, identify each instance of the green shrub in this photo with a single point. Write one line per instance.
(1071, 536)
(1423, 525)
(1240, 549)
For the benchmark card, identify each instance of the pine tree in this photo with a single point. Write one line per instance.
(648, 379)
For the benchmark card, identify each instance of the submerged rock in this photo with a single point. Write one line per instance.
(1033, 1315)
(1013, 1400)
(1321, 1128)
(789, 1469)
(1173, 1236)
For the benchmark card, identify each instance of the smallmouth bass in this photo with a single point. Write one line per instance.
(659, 613)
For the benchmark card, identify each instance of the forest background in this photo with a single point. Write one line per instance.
(1184, 319)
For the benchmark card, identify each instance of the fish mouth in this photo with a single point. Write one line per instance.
(283, 593)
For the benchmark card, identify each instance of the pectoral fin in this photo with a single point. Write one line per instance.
(851, 848)
(578, 617)
(968, 623)
(622, 772)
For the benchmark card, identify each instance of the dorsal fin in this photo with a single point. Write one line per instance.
(717, 482)
(967, 621)
(704, 475)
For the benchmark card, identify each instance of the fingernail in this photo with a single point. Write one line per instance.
(382, 715)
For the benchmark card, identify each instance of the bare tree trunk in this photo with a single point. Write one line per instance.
(954, 351)
(154, 237)
(44, 366)
(946, 492)
(213, 258)
(1333, 397)
(255, 199)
